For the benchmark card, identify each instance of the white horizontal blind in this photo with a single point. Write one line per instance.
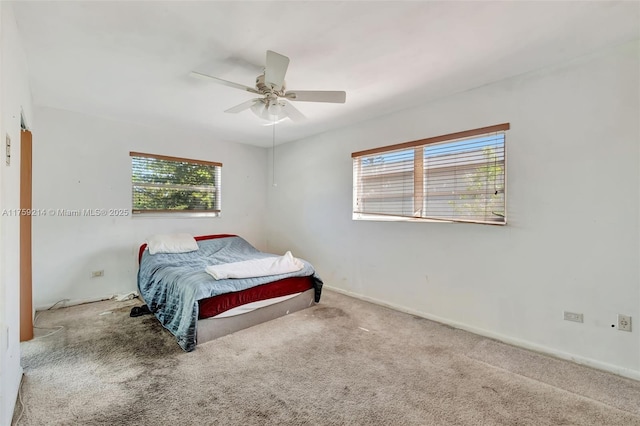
(385, 183)
(458, 177)
(464, 179)
(163, 184)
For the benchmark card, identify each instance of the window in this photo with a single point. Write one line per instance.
(458, 177)
(163, 184)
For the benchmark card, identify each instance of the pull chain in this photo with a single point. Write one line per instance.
(273, 155)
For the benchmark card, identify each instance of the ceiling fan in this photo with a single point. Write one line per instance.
(274, 105)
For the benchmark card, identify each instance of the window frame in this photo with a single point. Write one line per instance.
(419, 194)
(217, 184)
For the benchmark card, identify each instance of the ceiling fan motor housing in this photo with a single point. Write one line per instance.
(266, 89)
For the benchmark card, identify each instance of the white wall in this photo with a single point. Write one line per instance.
(573, 208)
(15, 97)
(83, 162)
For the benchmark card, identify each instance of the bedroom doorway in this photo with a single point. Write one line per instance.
(26, 297)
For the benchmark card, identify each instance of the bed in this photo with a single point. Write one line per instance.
(195, 307)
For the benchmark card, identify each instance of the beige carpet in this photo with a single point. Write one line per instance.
(343, 362)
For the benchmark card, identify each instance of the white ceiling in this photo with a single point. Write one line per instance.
(130, 60)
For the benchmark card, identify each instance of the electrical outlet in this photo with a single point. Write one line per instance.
(8, 149)
(624, 322)
(572, 316)
(99, 273)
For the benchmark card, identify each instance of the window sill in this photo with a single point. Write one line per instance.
(384, 218)
(177, 215)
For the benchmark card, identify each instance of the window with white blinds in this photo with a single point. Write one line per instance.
(161, 184)
(458, 177)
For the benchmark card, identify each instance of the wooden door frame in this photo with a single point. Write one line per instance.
(26, 293)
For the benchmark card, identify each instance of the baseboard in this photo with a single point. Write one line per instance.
(621, 371)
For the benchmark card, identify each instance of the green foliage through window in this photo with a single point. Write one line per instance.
(167, 184)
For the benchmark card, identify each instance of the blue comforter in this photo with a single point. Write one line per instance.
(172, 284)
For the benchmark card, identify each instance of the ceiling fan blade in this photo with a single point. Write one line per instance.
(336, 97)
(224, 82)
(245, 105)
(292, 112)
(275, 69)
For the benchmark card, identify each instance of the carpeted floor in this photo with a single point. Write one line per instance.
(343, 362)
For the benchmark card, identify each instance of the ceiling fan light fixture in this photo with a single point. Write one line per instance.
(275, 109)
(274, 112)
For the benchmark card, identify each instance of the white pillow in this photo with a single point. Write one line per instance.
(171, 243)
